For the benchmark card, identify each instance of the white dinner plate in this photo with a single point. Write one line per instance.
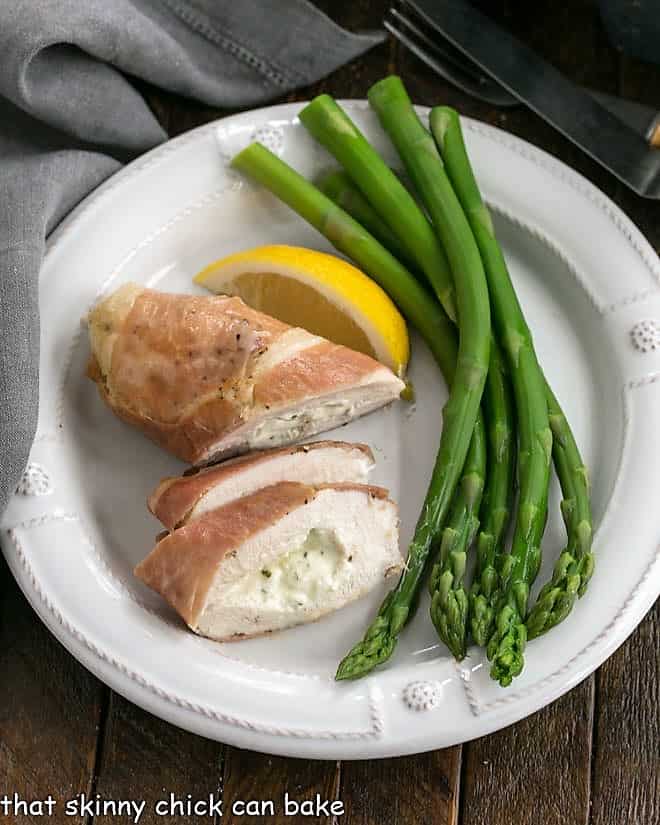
(590, 286)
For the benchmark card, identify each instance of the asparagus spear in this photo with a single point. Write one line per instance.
(492, 563)
(427, 315)
(449, 601)
(458, 535)
(575, 565)
(426, 170)
(332, 127)
(463, 523)
(496, 502)
(507, 643)
(339, 188)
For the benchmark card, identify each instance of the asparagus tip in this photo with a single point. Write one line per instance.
(508, 662)
(364, 657)
(449, 611)
(374, 649)
(506, 647)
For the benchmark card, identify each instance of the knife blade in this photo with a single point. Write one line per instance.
(571, 110)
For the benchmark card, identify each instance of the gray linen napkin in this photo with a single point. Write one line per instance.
(69, 117)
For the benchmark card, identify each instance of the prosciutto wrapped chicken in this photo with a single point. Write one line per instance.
(206, 377)
(281, 555)
(183, 498)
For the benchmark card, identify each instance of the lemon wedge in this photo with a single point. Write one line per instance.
(319, 292)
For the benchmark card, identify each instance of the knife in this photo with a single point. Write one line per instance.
(571, 110)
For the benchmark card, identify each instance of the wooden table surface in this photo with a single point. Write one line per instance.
(591, 757)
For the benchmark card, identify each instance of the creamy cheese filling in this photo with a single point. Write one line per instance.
(289, 426)
(300, 578)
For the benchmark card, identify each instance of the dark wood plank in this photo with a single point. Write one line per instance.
(626, 756)
(50, 708)
(536, 771)
(260, 778)
(145, 759)
(411, 790)
(626, 770)
(626, 760)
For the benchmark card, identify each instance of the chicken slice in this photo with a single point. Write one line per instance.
(280, 556)
(206, 377)
(182, 498)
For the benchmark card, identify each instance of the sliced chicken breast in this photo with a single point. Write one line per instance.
(182, 498)
(206, 377)
(283, 555)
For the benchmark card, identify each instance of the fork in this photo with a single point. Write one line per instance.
(405, 24)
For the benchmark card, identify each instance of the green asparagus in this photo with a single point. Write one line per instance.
(499, 479)
(425, 168)
(575, 565)
(339, 188)
(571, 573)
(507, 643)
(492, 562)
(332, 127)
(449, 601)
(499, 578)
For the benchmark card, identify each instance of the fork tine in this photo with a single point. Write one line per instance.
(404, 17)
(405, 37)
(439, 56)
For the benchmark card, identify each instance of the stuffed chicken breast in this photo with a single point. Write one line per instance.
(206, 377)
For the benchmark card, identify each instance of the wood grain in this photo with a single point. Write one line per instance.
(256, 776)
(626, 759)
(537, 771)
(143, 758)
(420, 789)
(50, 709)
